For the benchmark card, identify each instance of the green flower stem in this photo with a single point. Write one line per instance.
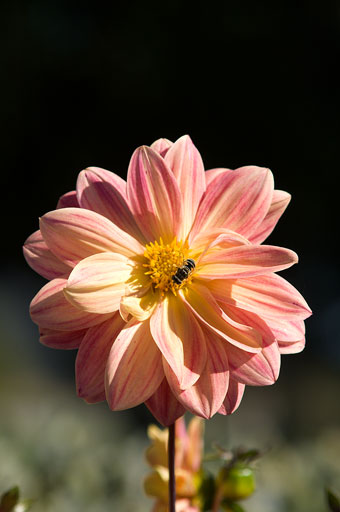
(171, 461)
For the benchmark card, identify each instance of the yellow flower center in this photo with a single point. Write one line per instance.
(163, 262)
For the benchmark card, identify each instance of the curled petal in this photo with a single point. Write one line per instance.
(260, 369)
(161, 146)
(215, 239)
(104, 192)
(279, 203)
(141, 308)
(233, 397)
(286, 330)
(98, 282)
(49, 309)
(244, 261)
(68, 200)
(237, 200)
(187, 165)
(269, 294)
(208, 311)
(205, 397)
(92, 357)
(134, 367)
(180, 339)
(164, 406)
(292, 348)
(66, 340)
(41, 259)
(73, 234)
(154, 195)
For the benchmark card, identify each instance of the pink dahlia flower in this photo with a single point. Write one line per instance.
(163, 284)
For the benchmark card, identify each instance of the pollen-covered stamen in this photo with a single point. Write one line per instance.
(162, 263)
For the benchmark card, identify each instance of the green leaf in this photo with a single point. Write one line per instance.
(333, 501)
(9, 499)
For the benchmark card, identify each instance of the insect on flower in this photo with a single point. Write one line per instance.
(184, 271)
(120, 256)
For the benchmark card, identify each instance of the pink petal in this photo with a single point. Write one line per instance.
(210, 314)
(49, 309)
(134, 368)
(244, 261)
(104, 192)
(187, 165)
(180, 339)
(286, 330)
(279, 203)
(269, 294)
(164, 406)
(233, 397)
(205, 397)
(41, 259)
(68, 200)
(161, 146)
(211, 174)
(237, 200)
(154, 195)
(73, 234)
(66, 340)
(292, 348)
(98, 282)
(92, 357)
(254, 369)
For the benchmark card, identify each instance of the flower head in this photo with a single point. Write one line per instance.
(163, 284)
(188, 454)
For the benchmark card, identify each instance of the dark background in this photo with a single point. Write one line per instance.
(252, 83)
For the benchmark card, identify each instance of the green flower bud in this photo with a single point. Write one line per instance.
(236, 483)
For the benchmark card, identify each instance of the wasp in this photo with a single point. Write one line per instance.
(184, 271)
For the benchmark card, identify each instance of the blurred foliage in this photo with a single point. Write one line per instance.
(333, 501)
(10, 501)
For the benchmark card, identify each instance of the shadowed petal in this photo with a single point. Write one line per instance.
(187, 165)
(134, 367)
(161, 146)
(292, 348)
(268, 294)
(202, 303)
(233, 397)
(49, 309)
(73, 234)
(68, 200)
(98, 282)
(92, 357)
(41, 259)
(180, 339)
(238, 201)
(205, 397)
(154, 195)
(286, 330)
(279, 203)
(139, 307)
(104, 192)
(66, 340)
(254, 369)
(164, 406)
(244, 261)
